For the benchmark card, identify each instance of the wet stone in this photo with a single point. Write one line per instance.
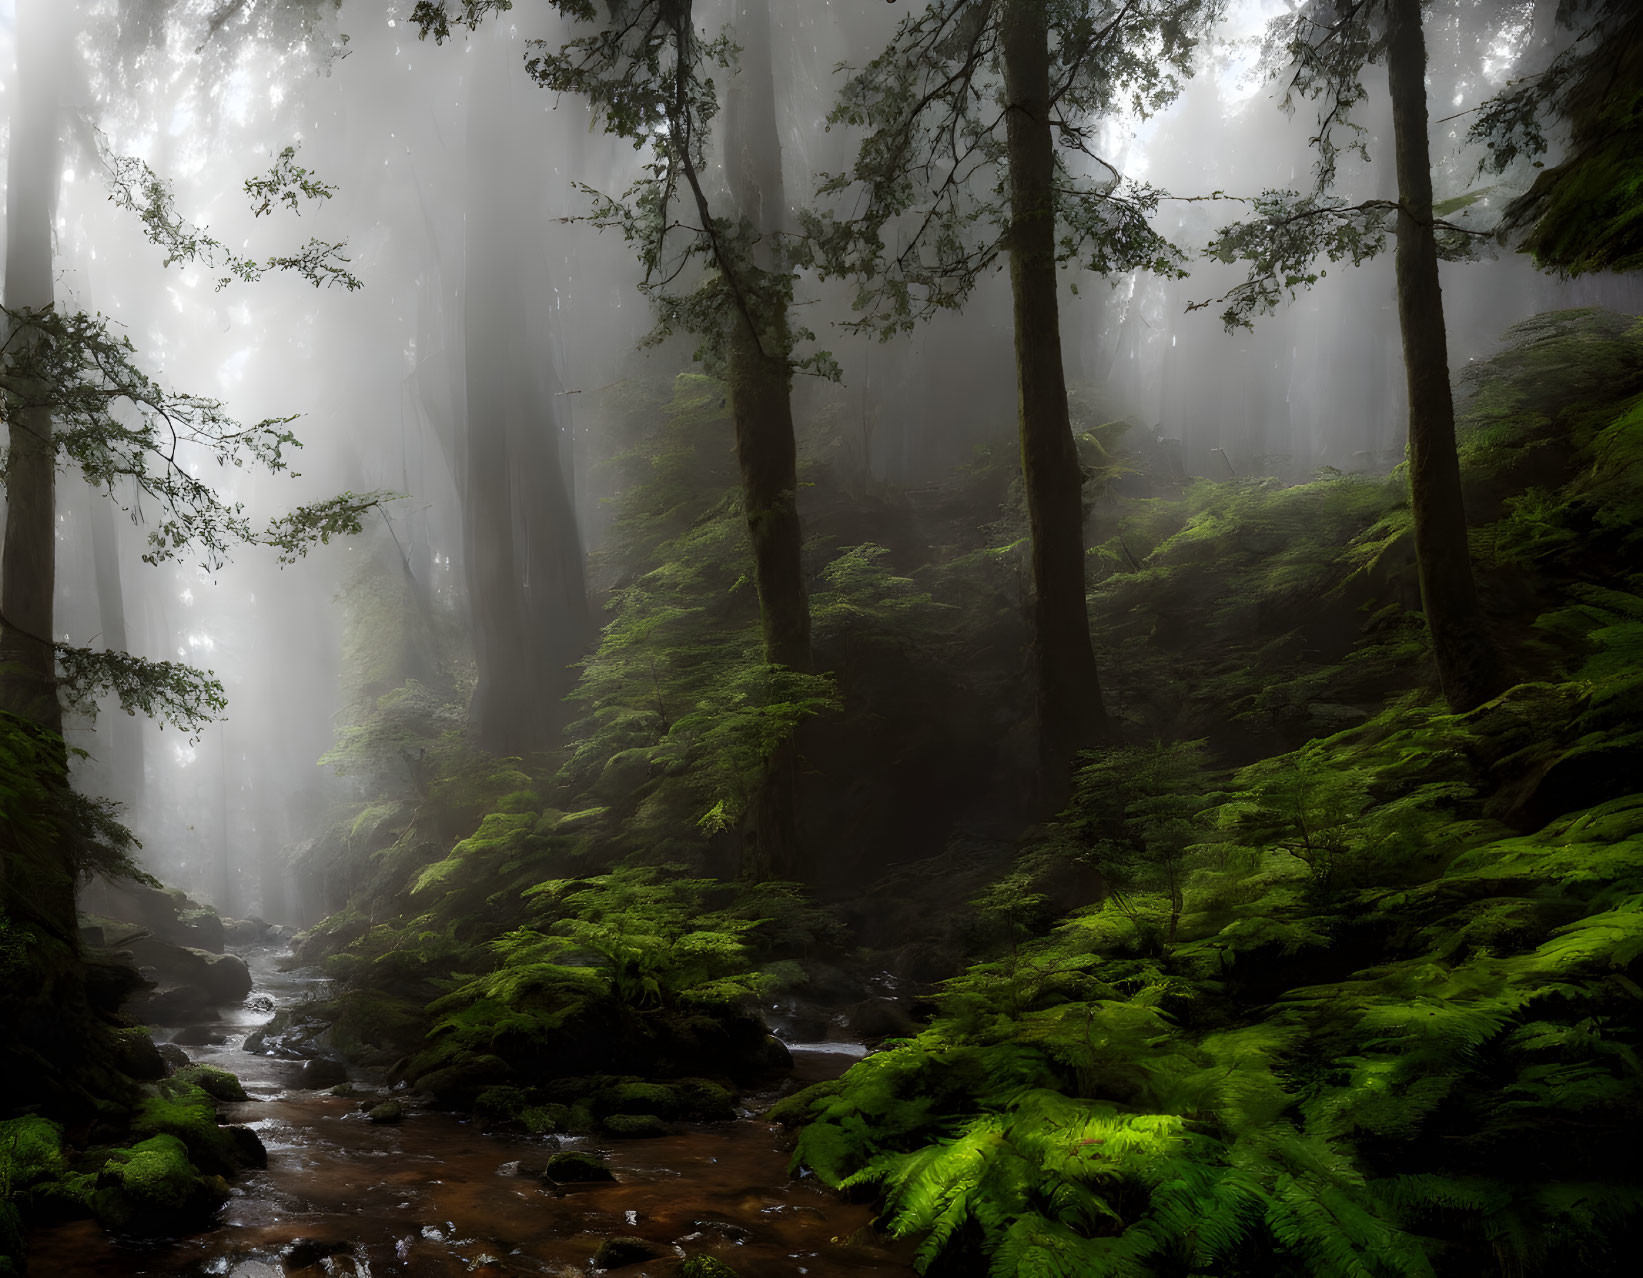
(321, 1074)
(173, 1056)
(634, 1126)
(728, 1230)
(390, 1111)
(624, 1250)
(573, 1168)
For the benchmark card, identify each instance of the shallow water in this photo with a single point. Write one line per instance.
(425, 1196)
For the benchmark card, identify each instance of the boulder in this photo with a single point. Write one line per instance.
(390, 1111)
(574, 1168)
(244, 931)
(173, 1055)
(218, 1084)
(220, 978)
(153, 1189)
(171, 1005)
(228, 980)
(112, 979)
(634, 1126)
(136, 1055)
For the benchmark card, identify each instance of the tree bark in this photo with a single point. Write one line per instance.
(121, 732)
(760, 383)
(28, 564)
(1070, 714)
(1469, 668)
(526, 590)
(759, 374)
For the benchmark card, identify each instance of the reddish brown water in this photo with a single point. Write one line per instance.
(425, 1197)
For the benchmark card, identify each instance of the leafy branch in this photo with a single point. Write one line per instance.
(114, 422)
(135, 187)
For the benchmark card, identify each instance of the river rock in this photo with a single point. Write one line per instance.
(112, 980)
(291, 1035)
(173, 1055)
(390, 1111)
(244, 931)
(634, 1126)
(321, 1073)
(573, 1168)
(171, 1005)
(623, 1250)
(220, 978)
(136, 1055)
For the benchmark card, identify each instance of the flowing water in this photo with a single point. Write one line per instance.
(426, 1196)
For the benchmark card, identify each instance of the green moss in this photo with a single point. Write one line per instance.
(573, 1168)
(186, 1111)
(218, 1084)
(154, 1188)
(31, 1151)
(633, 1126)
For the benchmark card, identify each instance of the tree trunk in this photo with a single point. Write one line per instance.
(761, 403)
(527, 595)
(1468, 664)
(121, 733)
(28, 566)
(1070, 715)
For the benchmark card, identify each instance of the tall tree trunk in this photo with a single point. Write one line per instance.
(760, 376)
(1070, 715)
(121, 733)
(1468, 663)
(527, 595)
(28, 566)
(225, 886)
(761, 403)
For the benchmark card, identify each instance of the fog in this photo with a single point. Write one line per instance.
(475, 371)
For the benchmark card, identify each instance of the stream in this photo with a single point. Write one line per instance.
(425, 1196)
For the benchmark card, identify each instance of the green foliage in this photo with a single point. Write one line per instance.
(47, 830)
(928, 190)
(1368, 1004)
(135, 187)
(683, 715)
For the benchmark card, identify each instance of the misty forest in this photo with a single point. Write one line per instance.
(745, 638)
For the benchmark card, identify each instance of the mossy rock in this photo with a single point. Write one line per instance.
(624, 1250)
(31, 1151)
(390, 1111)
(136, 1055)
(576, 1169)
(186, 1111)
(153, 1188)
(634, 1126)
(216, 1083)
(459, 1083)
(694, 1099)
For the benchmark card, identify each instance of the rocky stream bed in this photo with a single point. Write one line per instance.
(365, 1180)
